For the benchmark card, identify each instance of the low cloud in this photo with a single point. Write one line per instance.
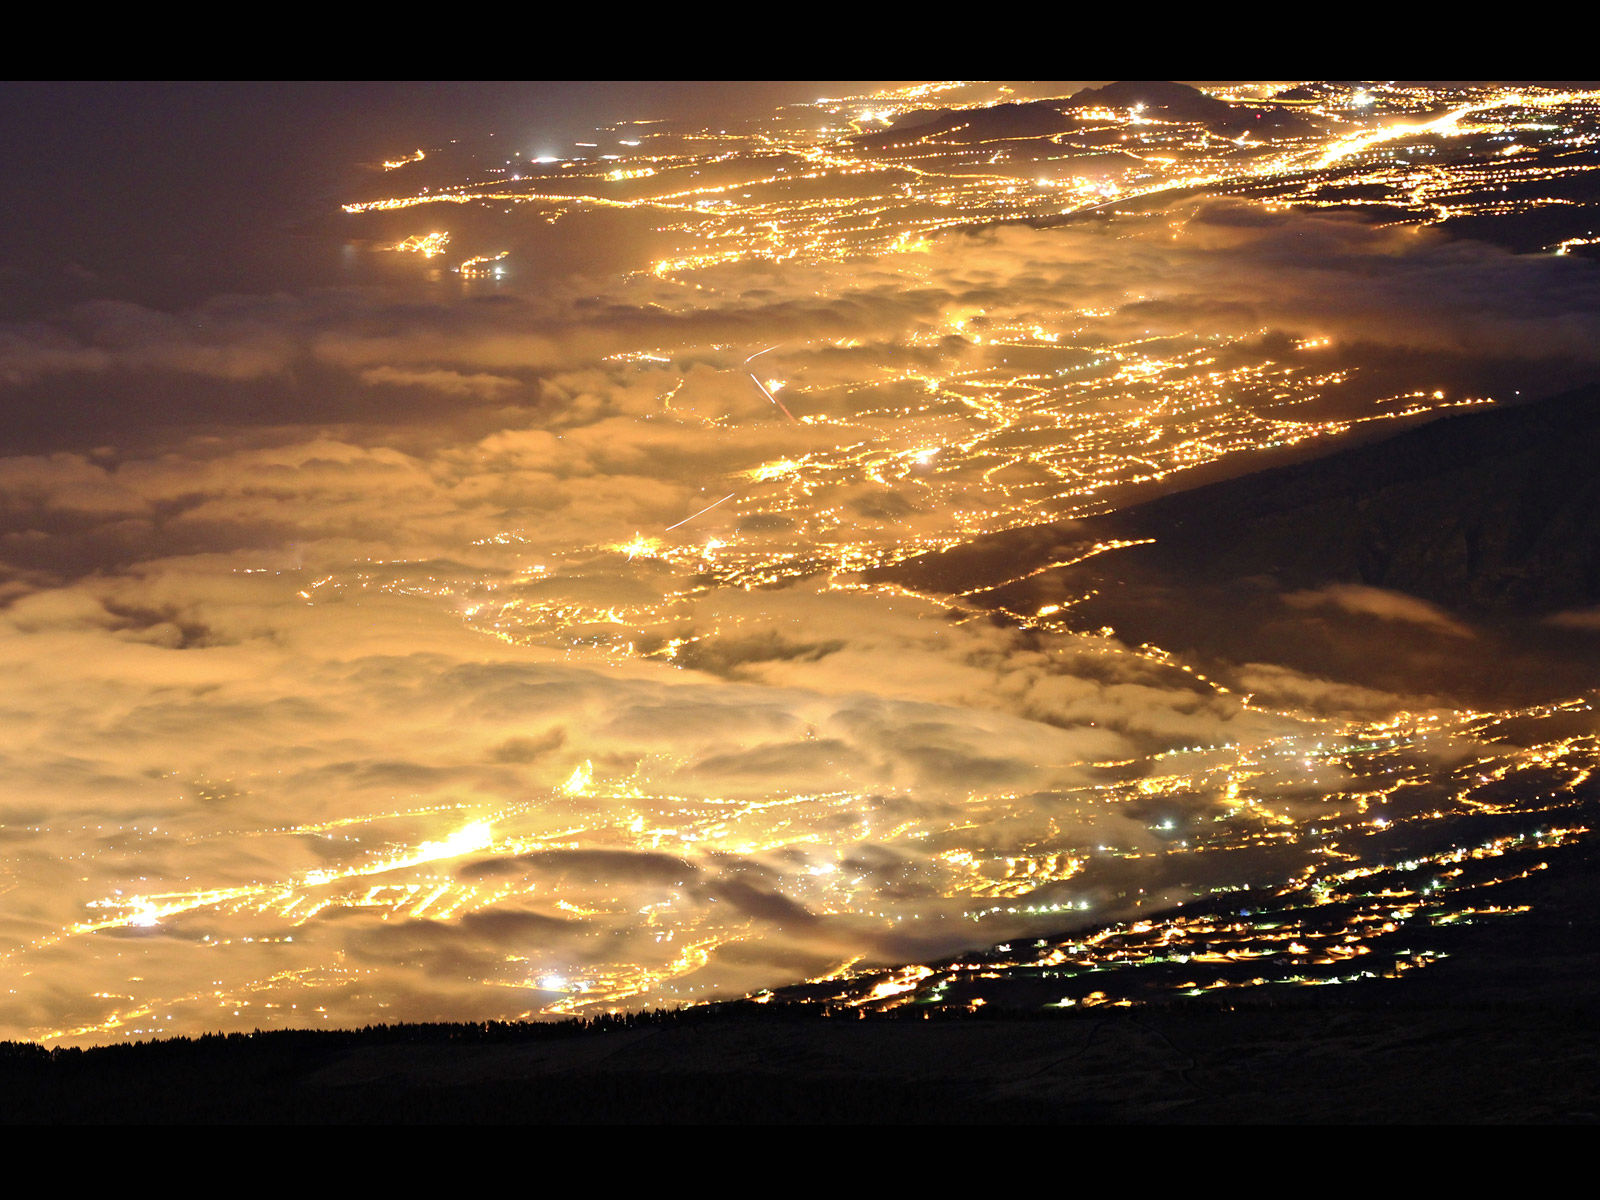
(1582, 619)
(1384, 605)
(429, 655)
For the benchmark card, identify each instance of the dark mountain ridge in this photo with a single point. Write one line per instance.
(996, 122)
(1489, 521)
(1163, 100)
(1490, 512)
(1180, 102)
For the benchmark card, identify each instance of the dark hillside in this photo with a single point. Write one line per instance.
(1492, 512)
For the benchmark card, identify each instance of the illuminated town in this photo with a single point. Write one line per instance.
(782, 767)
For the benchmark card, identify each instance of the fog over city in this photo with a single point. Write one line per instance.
(524, 609)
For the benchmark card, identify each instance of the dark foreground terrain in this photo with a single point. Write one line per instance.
(1291, 1065)
(1503, 1032)
(1362, 1062)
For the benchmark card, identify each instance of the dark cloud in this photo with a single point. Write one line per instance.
(598, 866)
(765, 906)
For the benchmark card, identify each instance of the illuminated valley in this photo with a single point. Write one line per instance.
(585, 686)
(876, 173)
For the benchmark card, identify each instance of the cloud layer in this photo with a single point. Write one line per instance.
(360, 664)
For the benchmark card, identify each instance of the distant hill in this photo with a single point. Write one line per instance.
(1180, 102)
(1176, 100)
(1321, 90)
(1043, 118)
(997, 122)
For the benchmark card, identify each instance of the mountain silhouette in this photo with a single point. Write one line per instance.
(1495, 511)
(996, 122)
(1179, 102)
(1159, 100)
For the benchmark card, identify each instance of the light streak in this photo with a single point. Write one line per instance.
(778, 404)
(702, 512)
